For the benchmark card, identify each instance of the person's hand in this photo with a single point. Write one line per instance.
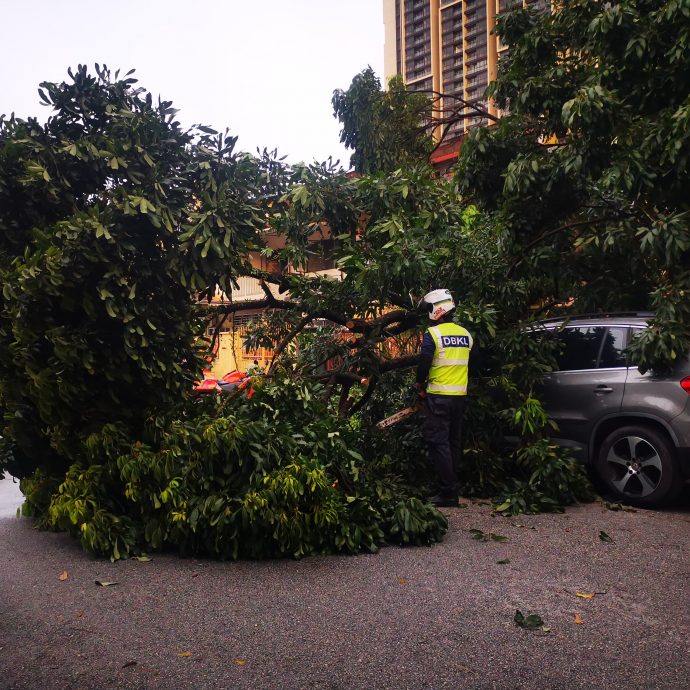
(421, 390)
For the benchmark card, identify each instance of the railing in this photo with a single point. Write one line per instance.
(249, 288)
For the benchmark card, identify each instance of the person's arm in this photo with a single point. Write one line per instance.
(426, 357)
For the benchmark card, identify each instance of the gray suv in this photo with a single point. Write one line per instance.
(631, 429)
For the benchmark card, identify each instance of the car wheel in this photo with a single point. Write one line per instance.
(638, 465)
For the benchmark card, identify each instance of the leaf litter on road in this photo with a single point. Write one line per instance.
(619, 506)
(479, 535)
(64, 575)
(529, 622)
(605, 537)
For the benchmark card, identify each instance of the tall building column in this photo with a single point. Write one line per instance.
(492, 10)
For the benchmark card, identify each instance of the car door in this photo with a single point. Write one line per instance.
(589, 383)
(655, 395)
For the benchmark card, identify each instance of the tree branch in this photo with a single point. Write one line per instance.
(404, 362)
(288, 339)
(462, 103)
(248, 305)
(344, 402)
(367, 325)
(217, 331)
(365, 397)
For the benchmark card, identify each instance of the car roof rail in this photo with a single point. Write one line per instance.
(601, 314)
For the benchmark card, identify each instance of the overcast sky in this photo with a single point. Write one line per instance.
(264, 68)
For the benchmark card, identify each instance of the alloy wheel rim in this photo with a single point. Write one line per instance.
(634, 467)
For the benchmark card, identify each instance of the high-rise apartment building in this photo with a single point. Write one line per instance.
(447, 49)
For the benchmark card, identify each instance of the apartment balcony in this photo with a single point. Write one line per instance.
(451, 37)
(420, 41)
(475, 31)
(476, 93)
(452, 63)
(475, 20)
(477, 82)
(478, 69)
(418, 65)
(473, 59)
(453, 75)
(477, 42)
(416, 28)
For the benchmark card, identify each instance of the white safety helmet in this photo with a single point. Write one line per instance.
(438, 302)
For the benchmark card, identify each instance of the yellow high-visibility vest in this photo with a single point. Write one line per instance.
(448, 373)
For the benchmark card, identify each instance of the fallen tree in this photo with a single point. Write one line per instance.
(115, 223)
(112, 193)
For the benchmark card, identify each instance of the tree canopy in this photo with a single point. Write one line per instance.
(112, 220)
(385, 129)
(588, 171)
(116, 226)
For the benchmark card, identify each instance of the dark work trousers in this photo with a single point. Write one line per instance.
(443, 436)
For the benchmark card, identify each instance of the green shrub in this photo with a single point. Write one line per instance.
(267, 476)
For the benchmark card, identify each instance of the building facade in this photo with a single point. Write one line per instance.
(447, 49)
(229, 333)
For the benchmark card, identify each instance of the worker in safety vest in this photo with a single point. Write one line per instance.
(442, 382)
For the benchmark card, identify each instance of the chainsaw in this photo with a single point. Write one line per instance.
(406, 412)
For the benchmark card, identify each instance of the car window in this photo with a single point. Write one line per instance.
(635, 332)
(613, 348)
(579, 347)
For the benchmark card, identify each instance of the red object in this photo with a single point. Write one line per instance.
(685, 384)
(447, 157)
(207, 385)
(234, 376)
(211, 384)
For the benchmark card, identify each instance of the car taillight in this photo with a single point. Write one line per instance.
(685, 384)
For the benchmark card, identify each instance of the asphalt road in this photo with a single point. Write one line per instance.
(420, 618)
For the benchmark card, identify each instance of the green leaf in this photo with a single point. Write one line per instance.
(619, 506)
(497, 537)
(605, 537)
(529, 622)
(483, 536)
(204, 251)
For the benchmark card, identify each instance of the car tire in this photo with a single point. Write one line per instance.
(638, 465)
